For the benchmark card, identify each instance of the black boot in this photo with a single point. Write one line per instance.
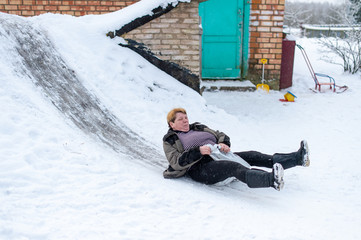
(262, 179)
(299, 158)
(287, 160)
(304, 154)
(258, 178)
(277, 171)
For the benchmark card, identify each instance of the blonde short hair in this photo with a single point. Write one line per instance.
(172, 114)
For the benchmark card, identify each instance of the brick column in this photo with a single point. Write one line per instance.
(266, 26)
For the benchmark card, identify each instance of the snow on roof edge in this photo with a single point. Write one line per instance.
(116, 20)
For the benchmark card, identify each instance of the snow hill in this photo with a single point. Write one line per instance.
(81, 127)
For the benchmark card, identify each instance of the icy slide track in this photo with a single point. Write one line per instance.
(41, 62)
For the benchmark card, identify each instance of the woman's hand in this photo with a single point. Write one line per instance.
(205, 150)
(224, 147)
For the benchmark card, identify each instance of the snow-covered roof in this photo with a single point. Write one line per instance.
(118, 19)
(159, 9)
(332, 27)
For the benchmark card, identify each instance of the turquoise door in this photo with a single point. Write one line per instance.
(222, 23)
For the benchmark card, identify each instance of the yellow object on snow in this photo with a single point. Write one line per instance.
(289, 97)
(263, 87)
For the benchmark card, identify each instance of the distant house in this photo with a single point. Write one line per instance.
(329, 30)
(214, 39)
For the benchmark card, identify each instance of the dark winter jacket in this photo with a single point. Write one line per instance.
(179, 159)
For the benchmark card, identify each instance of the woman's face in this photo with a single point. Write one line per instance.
(180, 123)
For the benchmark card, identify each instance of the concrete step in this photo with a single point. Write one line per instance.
(227, 85)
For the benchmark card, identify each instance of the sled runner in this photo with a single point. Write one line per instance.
(331, 81)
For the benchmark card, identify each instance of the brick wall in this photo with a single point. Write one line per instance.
(75, 8)
(266, 25)
(175, 36)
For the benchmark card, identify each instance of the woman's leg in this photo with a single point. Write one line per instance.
(287, 160)
(255, 158)
(216, 171)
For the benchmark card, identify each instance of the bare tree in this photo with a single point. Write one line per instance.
(357, 11)
(348, 48)
(348, 12)
(296, 14)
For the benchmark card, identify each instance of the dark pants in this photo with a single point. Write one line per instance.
(287, 160)
(209, 171)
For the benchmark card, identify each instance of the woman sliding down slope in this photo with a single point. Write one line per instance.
(188, 148)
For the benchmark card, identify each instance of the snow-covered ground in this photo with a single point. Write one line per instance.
(58, 182)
